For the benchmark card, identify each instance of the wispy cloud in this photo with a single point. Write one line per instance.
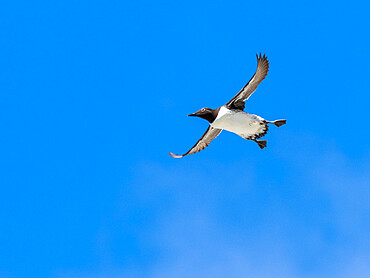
(231, 220)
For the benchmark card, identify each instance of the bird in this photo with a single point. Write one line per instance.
(233, 118)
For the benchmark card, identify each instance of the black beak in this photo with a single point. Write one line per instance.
(192, 115)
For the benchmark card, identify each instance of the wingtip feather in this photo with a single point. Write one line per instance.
(260, 57)
(175, 155)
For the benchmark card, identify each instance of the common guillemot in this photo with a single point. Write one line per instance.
(232, 117)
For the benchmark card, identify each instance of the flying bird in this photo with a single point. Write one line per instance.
(232, 116)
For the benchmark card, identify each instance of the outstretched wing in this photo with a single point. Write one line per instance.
(203, 142)
(245, 93)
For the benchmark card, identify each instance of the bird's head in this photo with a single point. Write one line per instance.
(205, 113)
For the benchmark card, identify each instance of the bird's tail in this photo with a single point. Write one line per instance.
(278, 122)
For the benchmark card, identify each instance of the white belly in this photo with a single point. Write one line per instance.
(244, 124)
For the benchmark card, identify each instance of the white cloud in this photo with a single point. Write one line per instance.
(229, 220)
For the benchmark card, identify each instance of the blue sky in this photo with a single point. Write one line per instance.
(95, 93)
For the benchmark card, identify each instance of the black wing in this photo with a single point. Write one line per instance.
(248, 90)
(202, 143)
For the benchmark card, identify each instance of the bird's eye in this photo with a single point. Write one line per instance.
(203, 110)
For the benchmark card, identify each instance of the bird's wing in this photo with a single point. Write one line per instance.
(203, 142)
(248, 90)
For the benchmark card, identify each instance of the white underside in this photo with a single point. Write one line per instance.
(244, 124)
